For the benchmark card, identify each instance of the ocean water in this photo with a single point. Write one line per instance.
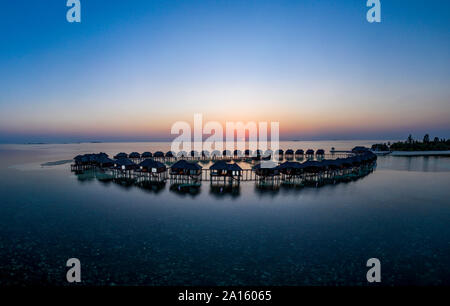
(124, 235)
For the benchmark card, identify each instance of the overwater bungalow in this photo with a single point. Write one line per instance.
(291, 172)
(226, 154)
(290, 168)
(289, 152)
(104, 162)
(237, 153)
(266, 169)
(280, 153)
(152, 166)
(268, 153)
(248, 153)
(360, 150)
(134, 155)
(169, 155)
(86, 161)
(158, 154)
(184, 169)
(194, 154)
(313, 172)
(222, 169)
(147, 155)
(320, 152)
(310, 152)
(121, 155)
(125, 164)
(153, 169)
(215, 154)
(299, 152)
(205, 154)
(182, 154)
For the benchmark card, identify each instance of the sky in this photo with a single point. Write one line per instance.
(131, 69)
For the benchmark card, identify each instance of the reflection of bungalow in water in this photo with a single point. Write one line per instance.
(222, 169)
(184, 169)
(147, 155)
(121, 155)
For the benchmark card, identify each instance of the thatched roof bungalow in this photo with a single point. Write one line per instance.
(299, 152)
(222, 168)
(158, 154)
(320, 152)
(312, 166)
(183, 167)
(134, 155)
(290, 168)
(266, 169)
(124, 164)
(310, 152)
(121, 155)
(150, 165)
(289, 152)
(147, 155)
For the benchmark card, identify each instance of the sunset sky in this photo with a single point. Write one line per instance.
(131, 69)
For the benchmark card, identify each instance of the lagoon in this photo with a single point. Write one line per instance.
(123, 235)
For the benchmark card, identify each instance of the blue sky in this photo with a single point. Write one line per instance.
(132, 68)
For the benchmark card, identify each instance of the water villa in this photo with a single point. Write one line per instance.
(266, 169)
(134, 156)
(299, 153)
(147, 155)
(158, 154)
(184, 169)
(121, 155)
(223, 171)
(317, 172)
(169, 155)
(153, 169)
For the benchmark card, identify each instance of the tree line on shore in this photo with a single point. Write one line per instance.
(411, 144)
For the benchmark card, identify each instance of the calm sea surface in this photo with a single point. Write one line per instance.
(399, 214)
